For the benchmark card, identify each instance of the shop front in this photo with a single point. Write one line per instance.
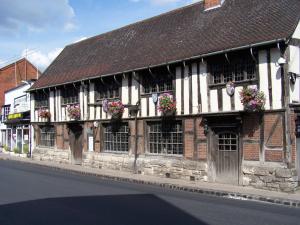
(17, 132)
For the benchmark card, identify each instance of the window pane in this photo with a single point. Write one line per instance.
(116, 138)
(165, 138)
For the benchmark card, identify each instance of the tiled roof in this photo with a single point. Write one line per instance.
(176, 35)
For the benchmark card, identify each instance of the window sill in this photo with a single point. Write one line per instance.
(178, 156)
(236, 83)
(158, 93)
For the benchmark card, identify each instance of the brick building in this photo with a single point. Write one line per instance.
(204, 58)
(12, 75)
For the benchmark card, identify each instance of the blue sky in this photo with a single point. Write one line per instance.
(41, 28)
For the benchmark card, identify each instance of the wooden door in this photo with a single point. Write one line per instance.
(75, 139)
(226, 155)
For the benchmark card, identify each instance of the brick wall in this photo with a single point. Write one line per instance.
(201, 140)
(273, 137)
(189, 143)
(211, 3)
(12, 75)
(251, 136)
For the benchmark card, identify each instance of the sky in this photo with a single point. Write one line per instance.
(40, 29)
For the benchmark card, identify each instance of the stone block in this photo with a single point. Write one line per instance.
(281, 172)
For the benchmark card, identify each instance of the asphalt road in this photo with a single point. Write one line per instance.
(33, 195)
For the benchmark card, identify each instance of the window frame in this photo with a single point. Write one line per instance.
(119, 137)
(230, 140)
(155, 83)
(70, 96)
(162, 142)
(237, 65)
(41, 100)
(6, 112)
(48, 134)
(109, 90)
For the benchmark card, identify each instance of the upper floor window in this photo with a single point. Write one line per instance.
(109, 89)
(70, 95)
(240, 68)
(42, 100)
(154, 85)
(6, 111)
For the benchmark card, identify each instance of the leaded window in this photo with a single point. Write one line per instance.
(6, 111)
(47, 138)
(152, 85)
(110, 89)
(239, 69)
(70, 95)
(116, 137)
(227, 142)
(41, 100)
(165, 138)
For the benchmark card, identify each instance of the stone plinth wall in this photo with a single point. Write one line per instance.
(55, 155)
(270, 178)
(171, 167)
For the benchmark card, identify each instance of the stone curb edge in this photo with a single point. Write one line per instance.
(204, 191)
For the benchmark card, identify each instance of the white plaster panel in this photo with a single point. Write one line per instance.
(92, 101)
(63, 114)
(195, 89)
(214, 107)
(237, 101)
(297, 32)
(125, 98)
(203, 87)
(186, 99)
(60, 116)
(276, 79)
(144, 106)
(263, 76)
(81, 102)
(178, 89)
(51, 104)
(85, 103)
(32, 106)
(294, 67)
(226, 100)
(134, 91)
(151, 107)
(98, 112)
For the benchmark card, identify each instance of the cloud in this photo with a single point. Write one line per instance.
(40, 59)
(36, 15)
(166, 2)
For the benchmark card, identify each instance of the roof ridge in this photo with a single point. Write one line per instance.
(137, 22)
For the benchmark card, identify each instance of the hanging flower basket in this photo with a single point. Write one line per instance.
(167, 105)
(252, 99)
(74, 111)
(44, 114)
(115, 109)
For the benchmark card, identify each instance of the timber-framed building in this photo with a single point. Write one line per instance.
(203, 55)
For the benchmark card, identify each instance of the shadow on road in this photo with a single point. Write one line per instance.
(144, 209)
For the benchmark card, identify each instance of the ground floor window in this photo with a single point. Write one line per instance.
(165, 138)
(47, 138)
(116, 137)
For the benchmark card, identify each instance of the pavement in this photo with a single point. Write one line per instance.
(204, 188)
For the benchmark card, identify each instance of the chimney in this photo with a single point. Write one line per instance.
(210, 4)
